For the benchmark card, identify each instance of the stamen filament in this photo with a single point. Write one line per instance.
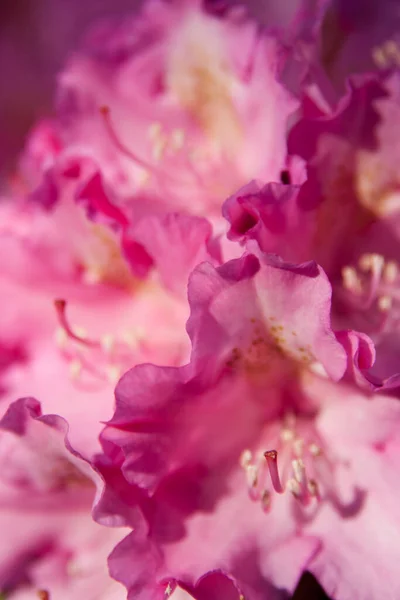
(272, 462)
(61, 306)
(105, 113)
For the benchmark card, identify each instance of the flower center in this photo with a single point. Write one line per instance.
(295, 463)
(199, 76)
(177, 162)
(387, 55)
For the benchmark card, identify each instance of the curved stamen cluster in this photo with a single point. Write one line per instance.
(104, 360)
(374, 284)
(163, 144)
(297, 472)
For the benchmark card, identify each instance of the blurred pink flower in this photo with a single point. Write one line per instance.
(75, 314)
(170, 120)
(49, 543)
(345, 215)
(268, 452)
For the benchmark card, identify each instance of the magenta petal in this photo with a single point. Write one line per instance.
(176, 244)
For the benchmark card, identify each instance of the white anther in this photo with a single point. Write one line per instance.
(390, 272)
(299, 470)
(379, 57)
(287, 435)
(245, 458)
(392, 50)
(318, 368)
(315, 450)
(371, 262)
(158, 148)
(266, 500)
(351, 280)
(252, 475)
(312, 487)
(298, 446)
(384, 303)
(75, 369)
(92, 275)
(294, 487)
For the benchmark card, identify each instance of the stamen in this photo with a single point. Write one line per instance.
(287, 435)
(272, 462)
(294, 487)
(105, 113)
(390, 272)
(245, 458)
(392, 51)
(61, 306)
(385, 303)
(266, 500)
(252, 476)
(315, 450)
(298, 446)
(351, 280)
(372, 262)
(300, 476)
(159, 146)
(43, 595)
(299, 470)
(379, 57)
(313, 489)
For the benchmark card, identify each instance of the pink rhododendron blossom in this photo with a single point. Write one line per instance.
(54, 547)
(359, 36)
(238, 451)
(345, 215)
(184, 122)
(204, 170)
(87, 319)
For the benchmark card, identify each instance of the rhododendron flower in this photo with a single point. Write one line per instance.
(87, 319)
(171, 119)
(74, 319)
(241, 452)
(345, 215)
(52, 549)
(359, 36)
(180, 166)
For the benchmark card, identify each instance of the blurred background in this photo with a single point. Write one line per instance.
(36, 36)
